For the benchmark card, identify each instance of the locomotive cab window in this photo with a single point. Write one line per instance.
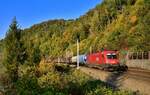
(111, 56)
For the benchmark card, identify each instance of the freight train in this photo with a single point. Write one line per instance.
(106, 60)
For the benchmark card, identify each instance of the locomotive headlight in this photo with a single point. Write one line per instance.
(85, 58)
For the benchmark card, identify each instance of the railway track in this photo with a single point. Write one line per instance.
(132, 72)
(133, 79)
(139, 74)
(136, 73)
(133, 69)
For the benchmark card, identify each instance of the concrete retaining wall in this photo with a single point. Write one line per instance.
(145, 64)
(140, 63)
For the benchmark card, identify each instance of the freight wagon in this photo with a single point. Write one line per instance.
(82, 59)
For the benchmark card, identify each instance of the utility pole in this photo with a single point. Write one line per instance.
(90, 50)
(77, 53)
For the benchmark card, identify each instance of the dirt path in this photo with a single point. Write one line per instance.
(128, 80)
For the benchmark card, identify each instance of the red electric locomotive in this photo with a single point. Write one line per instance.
(106, 59)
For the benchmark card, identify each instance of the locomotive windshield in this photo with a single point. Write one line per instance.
(111, 56)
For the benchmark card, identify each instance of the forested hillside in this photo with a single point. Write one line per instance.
(113, 24)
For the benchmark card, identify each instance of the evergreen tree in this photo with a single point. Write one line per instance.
(12, 54)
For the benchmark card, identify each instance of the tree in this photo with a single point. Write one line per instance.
(12, 50)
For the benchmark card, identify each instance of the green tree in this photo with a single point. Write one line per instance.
(12, 54)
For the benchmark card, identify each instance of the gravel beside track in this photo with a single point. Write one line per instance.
(134, 79)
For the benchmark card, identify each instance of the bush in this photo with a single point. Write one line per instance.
(28, 86)
(60, 80)
(44, 68)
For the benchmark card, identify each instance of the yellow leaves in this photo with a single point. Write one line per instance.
(133, 19)
(45, 67)
(133, 29)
